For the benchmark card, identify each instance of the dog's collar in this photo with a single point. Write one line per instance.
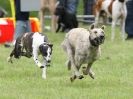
(44, 43)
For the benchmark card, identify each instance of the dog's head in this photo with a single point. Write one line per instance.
(97, 35)
(60, 10)
(46, 51)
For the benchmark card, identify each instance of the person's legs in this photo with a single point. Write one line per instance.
(129, 19)
(88, 9)
(28, 26)
(21, 28)
(72, 6)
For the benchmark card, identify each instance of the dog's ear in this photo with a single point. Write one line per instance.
(51, 45)
(92, 27)
(103, 27)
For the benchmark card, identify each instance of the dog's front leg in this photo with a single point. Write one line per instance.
(87, 70)
(44, 69)
(58, 28)
(35, 57)
(97, 18)
(113, 28)
(123, 25)
(44, 72)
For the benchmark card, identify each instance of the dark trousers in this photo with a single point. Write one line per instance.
(129, 19)
(88, 8)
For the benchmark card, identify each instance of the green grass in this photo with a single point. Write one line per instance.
(114, 74)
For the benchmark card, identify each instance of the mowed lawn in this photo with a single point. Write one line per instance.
(113, 71)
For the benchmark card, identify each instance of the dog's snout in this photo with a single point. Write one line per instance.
(102, 37)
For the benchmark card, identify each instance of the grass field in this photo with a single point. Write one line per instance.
(114, 74)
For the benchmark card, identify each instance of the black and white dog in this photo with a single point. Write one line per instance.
(31, 44)
(66, 20)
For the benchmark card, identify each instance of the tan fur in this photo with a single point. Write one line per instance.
(48, 5)
(79, 49)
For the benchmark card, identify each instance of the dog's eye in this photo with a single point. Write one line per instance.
(95, 32)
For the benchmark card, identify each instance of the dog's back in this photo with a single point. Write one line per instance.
(76, 38)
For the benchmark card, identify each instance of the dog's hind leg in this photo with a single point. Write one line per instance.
(123, 27)
(68, 63)
(74, 68)
(9, 59)
(113, 29)
(42, 20)
(58, 28)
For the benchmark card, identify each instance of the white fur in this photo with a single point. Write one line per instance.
(118, 9)
(37, 41)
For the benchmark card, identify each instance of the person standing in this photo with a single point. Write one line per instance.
(22, 22)
(129, 20)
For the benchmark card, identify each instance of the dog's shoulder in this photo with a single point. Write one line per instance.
(39, 38)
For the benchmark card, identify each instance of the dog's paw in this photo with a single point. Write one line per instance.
(40, 65)
(80, 77)
(92, 75)
(72, 78)
(84, 71)
(44, 76)
(9, 59)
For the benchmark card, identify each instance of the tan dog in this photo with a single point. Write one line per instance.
(83, 47)
(48, 5)
(116, 9)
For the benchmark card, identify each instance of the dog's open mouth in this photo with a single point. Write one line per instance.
(97, 41)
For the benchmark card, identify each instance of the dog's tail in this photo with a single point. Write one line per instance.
(63, 45)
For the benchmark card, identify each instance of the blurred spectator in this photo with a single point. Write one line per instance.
(88, 8)
(129, 20)
(70, 5)
(22, 22)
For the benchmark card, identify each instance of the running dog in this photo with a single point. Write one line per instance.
(116, 9)
(31, 44)
(83, 47)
